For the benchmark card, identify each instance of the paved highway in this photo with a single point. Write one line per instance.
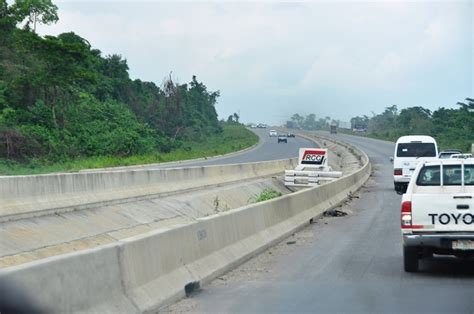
(344, 264)
(267, 149)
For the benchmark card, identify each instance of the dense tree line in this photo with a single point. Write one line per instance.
(452, 128)
(310, 122)
(61, 99)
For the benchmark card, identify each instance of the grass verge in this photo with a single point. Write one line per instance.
(233, 138)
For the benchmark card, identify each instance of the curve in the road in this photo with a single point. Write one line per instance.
(268, 149)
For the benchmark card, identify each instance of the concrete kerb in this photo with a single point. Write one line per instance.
(150, 271)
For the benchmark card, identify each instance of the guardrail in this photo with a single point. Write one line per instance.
(29, 196)
(147, 272)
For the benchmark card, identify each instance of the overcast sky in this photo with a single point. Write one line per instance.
(271, 59)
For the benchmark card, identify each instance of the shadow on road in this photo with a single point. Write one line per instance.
(447, 266)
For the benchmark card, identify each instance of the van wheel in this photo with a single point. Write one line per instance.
(410, 259)
(400, 188)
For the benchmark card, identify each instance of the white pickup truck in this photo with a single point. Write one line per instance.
(437, 211)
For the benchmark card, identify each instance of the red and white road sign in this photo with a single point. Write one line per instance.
(313, 157)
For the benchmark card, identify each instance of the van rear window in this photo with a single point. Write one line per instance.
(416, 150)
(430, 175)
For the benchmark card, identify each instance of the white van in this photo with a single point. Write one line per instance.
(409, 151)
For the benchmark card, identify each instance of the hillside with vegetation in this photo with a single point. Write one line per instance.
(61, 101)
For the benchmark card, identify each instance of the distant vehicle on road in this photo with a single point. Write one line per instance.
(437, 211)
(460, 156)
(409, 151)
(290, 135)
(447, 153)
(282, 138)
(273, 133)
(261, 126)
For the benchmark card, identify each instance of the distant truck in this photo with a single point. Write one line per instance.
(333, 129)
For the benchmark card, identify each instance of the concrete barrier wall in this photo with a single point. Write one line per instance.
(87, 281)
(158, 266)
(150, 271)
(26, 196)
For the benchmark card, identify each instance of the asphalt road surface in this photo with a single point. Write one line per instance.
(344, 264)
(267, 149)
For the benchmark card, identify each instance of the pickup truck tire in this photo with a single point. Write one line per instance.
(410, 259)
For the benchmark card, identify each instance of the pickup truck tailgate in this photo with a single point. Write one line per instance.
(443, 212)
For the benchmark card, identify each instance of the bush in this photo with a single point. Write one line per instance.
(267, 194)
(108, 128)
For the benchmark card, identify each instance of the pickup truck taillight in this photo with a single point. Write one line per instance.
(405, 216)
(397, 172)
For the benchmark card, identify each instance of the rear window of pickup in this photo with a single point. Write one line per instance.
(452, 175)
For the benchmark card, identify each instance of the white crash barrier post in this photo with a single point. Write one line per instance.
(312, 168)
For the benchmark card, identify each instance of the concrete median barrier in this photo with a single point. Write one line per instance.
(28, 196)
(155, 269)
(86, 281)
(159, 266)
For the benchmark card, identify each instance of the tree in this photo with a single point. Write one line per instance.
(236, 117)
(7, 24)
(63, 68)
(310, 122)
(298, 120)
(3, 9)
(469, 106)
(5, 12)
(322, 123)
(385, 121)
(414, 120)
(35, 11)
(3, 99)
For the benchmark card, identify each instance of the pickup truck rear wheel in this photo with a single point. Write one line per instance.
(410, 259)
